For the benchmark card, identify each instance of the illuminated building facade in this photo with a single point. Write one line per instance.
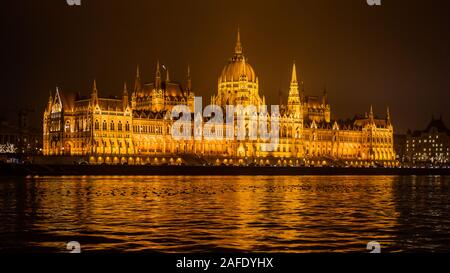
(137, 130)
(431, 145)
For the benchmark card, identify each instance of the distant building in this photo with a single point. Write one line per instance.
(431, 145)
(19, 137)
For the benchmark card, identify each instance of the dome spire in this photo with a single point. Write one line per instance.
(238, 48)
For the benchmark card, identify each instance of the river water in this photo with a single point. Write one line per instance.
(225, 213)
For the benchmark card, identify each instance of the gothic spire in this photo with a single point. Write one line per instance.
(294, 101)
(238, 48)
(158, 76)
(388, 115)
(137, 82)
(125, 95)
(125, 89)
(94, 94)
(94, 88)
(294, 74)
(188, 79)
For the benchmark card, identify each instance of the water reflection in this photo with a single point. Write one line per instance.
(262, 213)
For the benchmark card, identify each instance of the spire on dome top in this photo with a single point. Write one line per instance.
(238, 48)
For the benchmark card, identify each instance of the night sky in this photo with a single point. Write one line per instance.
(394, 55)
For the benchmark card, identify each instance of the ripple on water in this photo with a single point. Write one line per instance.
(196, 214)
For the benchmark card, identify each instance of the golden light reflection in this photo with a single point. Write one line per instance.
(245, 213)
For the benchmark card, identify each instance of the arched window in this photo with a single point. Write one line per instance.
(119, 126)
(105, 127)
(111, 126)
(67, 126)
(97, 125)
(127, 127)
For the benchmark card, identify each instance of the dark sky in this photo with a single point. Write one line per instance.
(396, 54)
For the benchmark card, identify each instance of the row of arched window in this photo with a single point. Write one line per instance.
(112, 126)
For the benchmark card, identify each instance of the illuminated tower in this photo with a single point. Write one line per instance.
(294, 103)
(238, 82)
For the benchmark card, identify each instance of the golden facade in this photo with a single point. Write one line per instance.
(138, 130)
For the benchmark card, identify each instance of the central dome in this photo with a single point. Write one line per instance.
(237, 67)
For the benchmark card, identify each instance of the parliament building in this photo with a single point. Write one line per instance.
(137, 128)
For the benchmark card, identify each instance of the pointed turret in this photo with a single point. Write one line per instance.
(125, 96)
(188, 80)
(388, 116)
(50, 101)
(238, 47)
(137, 82)
(167, 75)
(371, 113)
(157, 77)
(94, 88)
(94, 93)
(294, 102)
(294, 75)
